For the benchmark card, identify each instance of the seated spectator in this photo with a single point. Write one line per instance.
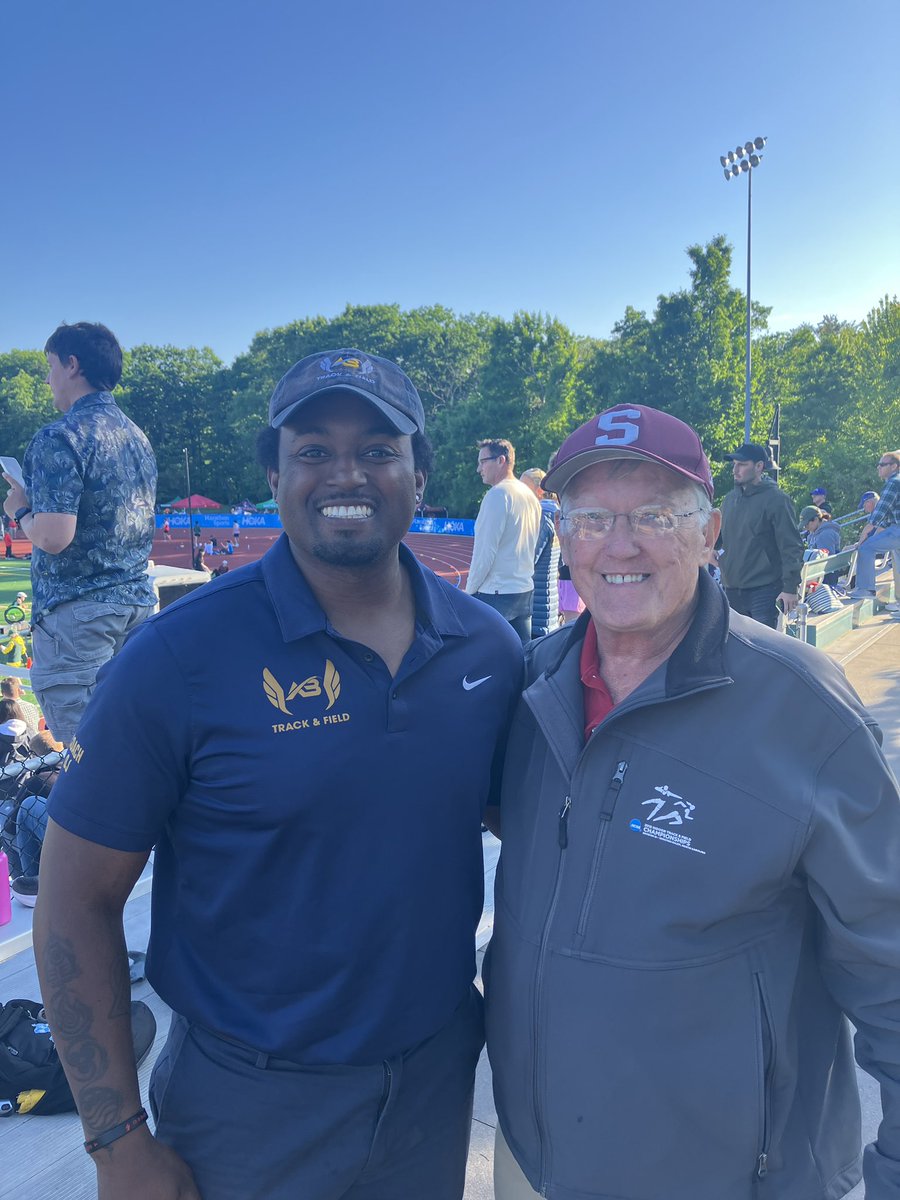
(13, 732)
(221, 569)
(882, 530)
(30, 809)
(11, 689)
(819, 531)
(817, 496)
(867, 502)
(229, 547)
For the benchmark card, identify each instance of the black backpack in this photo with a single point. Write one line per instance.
(31, 1076)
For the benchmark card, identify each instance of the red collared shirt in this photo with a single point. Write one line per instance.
(597, 700)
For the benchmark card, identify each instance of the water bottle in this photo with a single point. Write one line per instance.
(5, 897)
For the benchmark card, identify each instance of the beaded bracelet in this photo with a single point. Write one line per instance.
(117, 1131)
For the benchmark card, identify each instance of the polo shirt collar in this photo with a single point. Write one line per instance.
(300, 614)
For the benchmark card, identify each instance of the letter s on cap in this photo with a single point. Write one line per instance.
(619, 430)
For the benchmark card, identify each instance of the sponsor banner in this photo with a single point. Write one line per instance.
(456, 525)
(222, 520)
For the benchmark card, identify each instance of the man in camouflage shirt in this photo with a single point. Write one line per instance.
(87, 506)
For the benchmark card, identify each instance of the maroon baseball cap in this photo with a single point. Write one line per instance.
(632, 431)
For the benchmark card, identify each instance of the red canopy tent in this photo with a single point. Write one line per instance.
(195, 501)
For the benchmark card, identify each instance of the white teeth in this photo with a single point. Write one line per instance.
(347, 512)
(625, 578)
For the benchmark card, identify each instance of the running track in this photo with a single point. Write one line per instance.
(447, 554)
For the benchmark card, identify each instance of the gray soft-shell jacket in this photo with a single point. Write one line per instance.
(683, 907)
(760, 538)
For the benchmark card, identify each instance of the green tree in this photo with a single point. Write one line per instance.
(25, 400)
(168, 392)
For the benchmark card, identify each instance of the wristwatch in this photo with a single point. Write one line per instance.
(20, 513)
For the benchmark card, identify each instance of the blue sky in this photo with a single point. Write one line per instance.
(191, 173)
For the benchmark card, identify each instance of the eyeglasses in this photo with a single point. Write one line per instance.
(644, 522)
(489, 458)
(887, 463)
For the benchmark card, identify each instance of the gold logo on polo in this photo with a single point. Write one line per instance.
(330, 683)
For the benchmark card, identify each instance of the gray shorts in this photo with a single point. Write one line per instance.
(71, 643)
(258, 1128)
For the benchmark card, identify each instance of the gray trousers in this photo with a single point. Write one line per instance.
(253, 1127)
(71, 643)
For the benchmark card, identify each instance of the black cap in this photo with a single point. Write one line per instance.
(377, 380)
(750, 452)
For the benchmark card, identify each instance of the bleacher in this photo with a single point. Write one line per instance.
(821, 630)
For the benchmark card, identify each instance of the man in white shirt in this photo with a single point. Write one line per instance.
(506, 533)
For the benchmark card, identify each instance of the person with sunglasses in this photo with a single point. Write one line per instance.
(881, 532)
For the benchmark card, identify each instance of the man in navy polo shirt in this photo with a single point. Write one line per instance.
(315, 801)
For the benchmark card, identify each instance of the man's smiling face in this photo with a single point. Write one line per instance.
(633, 583)
(345, 484)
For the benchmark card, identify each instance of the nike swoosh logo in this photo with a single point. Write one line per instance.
(475, 682)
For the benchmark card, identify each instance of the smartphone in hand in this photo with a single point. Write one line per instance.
(10, 467)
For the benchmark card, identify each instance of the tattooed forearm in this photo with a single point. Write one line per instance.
(100, 1108)
(87, 1059)
(59, 962)
(71, 1019)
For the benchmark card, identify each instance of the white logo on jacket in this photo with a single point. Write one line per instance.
(666, 808)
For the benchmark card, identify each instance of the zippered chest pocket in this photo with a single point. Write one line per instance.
(607, 808)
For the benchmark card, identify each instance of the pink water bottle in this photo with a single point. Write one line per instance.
(5, 898)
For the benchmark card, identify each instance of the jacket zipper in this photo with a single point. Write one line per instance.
(563, 839)
(767, 1033)
(605, 815)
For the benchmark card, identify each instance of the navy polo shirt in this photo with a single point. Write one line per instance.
(318, 874)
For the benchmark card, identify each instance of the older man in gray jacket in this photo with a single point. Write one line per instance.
(698, 882)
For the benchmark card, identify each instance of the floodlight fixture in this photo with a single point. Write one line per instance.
(741, 161)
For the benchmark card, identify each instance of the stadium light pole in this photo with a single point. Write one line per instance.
(741, 162)
(187, 476)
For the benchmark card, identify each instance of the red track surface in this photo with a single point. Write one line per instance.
(447, 554)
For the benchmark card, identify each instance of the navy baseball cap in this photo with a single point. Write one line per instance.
(632, 430)
(377, 380)
(750, 452)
